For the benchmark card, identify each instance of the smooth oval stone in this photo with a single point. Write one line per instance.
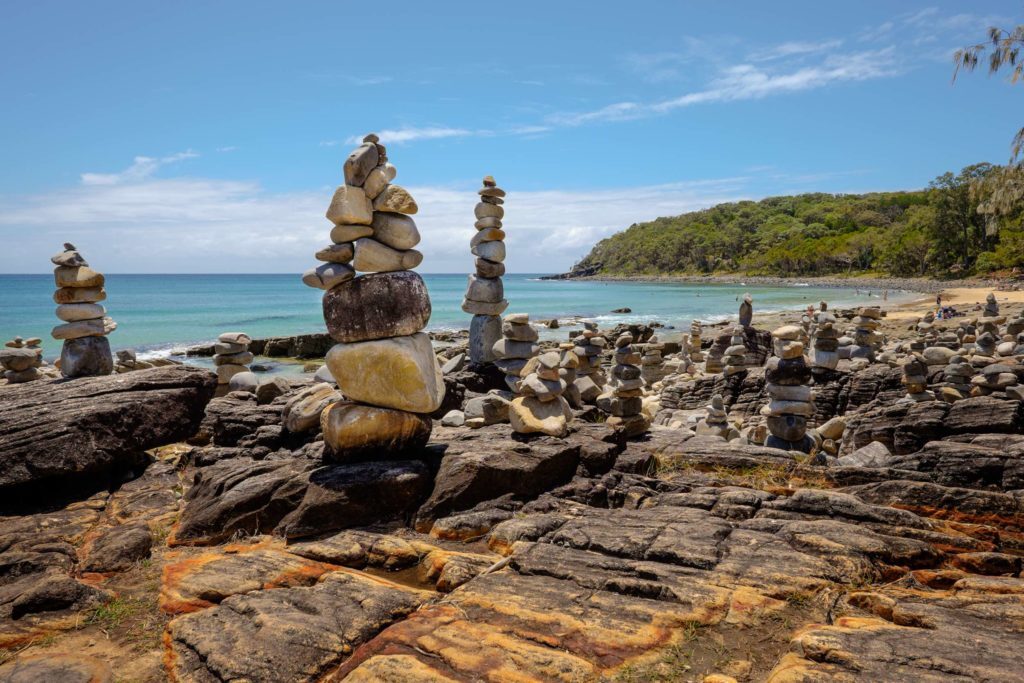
(241, 358)
(226, 372)
(302, 412)
(400, 373)
(788, 332)
(787, 427)
(793, 392)
(487, 235)
(244, 381)
(397, 199)
(489, 222)
(485, 268)
(376, 182)
(349, 233)
(492, 251)
(77, 276)
(544, 389)
(485, 210)
(359, 163)
(523, 332)
(84, 328)
(484, 330)
(234, 338)
(508, 348)
(328, 275)
(352, 429)
(227, 348)
(530, 415)
(487, 290)
(395, 230)
(484, 307)
(373, 257)
(351, 206)
(68, 257)
(377, 306)
(86, 357)
(336, 253)
(72, 312)
(517, 318)
(491, 192)
(79, 295)
(776, 408)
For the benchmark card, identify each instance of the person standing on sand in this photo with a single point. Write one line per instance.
(938, 299)
(885, 295)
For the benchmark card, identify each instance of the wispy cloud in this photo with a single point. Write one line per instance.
(794, 48)
(399, 136)
(141, 168)
(229, 148)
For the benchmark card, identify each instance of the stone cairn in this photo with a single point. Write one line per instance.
(865, 336)
(540, 408)
(517, 346)
(567, 372)
(693, 348)
(485, 295)
(231, 356)
(624, 403)
(735, 356)
(915, 379)
(590, 378)
(21, 359)
(790, 399)
(991, 306)
(826, 347)
(86, 350)
(383, 362)
(651, 360)
(747, 311)
(997, 379)
(987, 337)
(716, 421)
(956, 377)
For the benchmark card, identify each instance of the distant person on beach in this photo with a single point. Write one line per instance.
(938, 300)
(885, 295)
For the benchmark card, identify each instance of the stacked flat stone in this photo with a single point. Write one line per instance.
(231, 356)
(21, 359)
(735, 356)
(567, 372)
(485, 294)
(991, 306)
(375, 309)
(866, 339)
(588, 347)
(716, 421)
(987, 338)
(1016, 326)
(517, 346)
(693, 347)
(948, 339)
(785, 335)
(826, 347)
(541, 408)
(915, 379)
(651, 360)
(998, 379)
(624, 402)
(790, 399)
(372, 231)
(957, 376)
(86, 350)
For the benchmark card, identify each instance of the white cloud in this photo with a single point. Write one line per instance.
(141, 168)
(794, 48)
(400, 135)
(229, 148)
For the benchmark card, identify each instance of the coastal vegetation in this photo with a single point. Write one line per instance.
(949, 229)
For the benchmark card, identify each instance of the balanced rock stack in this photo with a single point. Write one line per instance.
(785, 335)
(485, 294)
(956, 377)
(21, 359)
(790, 399)
(383, 362)
(588, 347)
(999, 379)
(991, 306)
(865, 336)
(541, 408)
(747, 311)
(651, 360)
(1016, 326)
(372, 230)
(716, 421)
(915, 379)
(231, 356)
(625, 400)
(517, 345)
(987, 339)
(567, 372)
(693, 347)
(826, 347)
(735, 356)
(86, 351)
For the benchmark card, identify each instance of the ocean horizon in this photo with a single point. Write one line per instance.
(158, 313)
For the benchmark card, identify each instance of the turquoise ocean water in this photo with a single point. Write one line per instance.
(156, 313)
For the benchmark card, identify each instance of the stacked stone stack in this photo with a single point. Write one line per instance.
(790, 399)
(517, 346)
(21, 359)
(866, 339)
(784, 335)
(375, 311)
(991, 306)
(590, 378)
(567, 367)
(956, 377)
(1016, 326)
(826, 348)
(541, 408)
(716, 421)
(231, 356)
(987, 339)
(915, 379)
(651, 360)
(948, 339)
(693, 347)
(86, 350)
(735, 356)
(998, 379)
(485, 294)
(372, 231)
(624, 402)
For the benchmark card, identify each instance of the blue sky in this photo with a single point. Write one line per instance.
(208, 137)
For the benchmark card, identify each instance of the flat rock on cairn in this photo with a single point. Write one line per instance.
(21, 360)
(85, 325)
(383, 362)
(485, 294)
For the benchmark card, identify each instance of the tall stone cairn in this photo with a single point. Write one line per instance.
(86, 350)
(21, 359)
(485, 294)
(790, 399)
(956, 378)
(517, 345)
(567, 371)
(866, 340)
(826, 347)
(383, 362)
(716, 421)
(231, 355)
(693, 347)
(588, 347)
(735, 356)
(624, 403)
(991, 306)
(540, 408)
(915, 379)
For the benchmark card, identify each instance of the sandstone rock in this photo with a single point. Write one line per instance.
(244, 381)
(490, 251)
(372, 256)
(377, 306)
(353, 430)
(79, 295)
(84, 328)
(77, 277)
(119, 548)
(345, 233)
(226, 372)
(328, 275)
(86, 357)
(530, 415)
(484, 308)
(360, 163)
(485, 268)
(400, 373)
(484, 332)
(395, 230)
(74, 312)
(350, 206)
(303, 411)
(487, 290)
(340, 253)
(396, 199)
